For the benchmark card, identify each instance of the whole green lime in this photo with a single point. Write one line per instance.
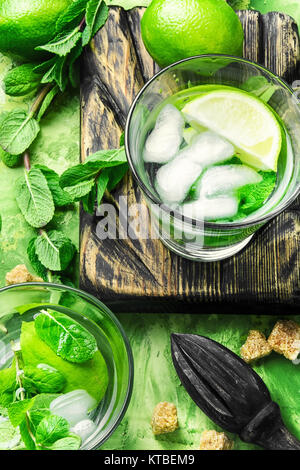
(25, 24)
(177, 29)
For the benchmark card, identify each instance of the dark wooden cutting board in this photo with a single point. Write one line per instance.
(142, 275)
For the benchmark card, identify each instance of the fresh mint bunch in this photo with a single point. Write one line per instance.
(40, 190)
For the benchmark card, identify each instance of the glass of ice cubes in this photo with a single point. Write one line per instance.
(205, 196)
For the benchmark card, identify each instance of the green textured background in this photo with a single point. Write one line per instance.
(155, 379)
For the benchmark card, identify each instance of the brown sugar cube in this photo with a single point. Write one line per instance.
(213, 440)
(164, 418)
(20, 274)
(285, 338)
(255, 347)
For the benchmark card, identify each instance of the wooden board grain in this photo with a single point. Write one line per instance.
(142, 275)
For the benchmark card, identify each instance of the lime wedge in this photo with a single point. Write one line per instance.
(242, 119)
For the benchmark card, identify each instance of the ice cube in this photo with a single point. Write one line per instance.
(164, 141)
(225, 179)
(174, 179)
(84, 429)
(208, 148)
(73, 406)
(221, 207)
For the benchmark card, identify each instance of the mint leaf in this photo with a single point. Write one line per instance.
(96, 16)
(63, 43)
(90, 169)
(74, 75)
(57, 73)
(26, 438)
(7, 379)
(109, 178)
(8, 385)
(10, 160)
(107, 158)
(50, 429)
(82, 173)
(71, 442)
(47, 101)
(88, 201)
(72, 16)
(17, 410)
(80, 190)
(102, 183)
(7, 397)
(54, 250)
(128, 4)
(17, 132)
(34, 198)
(240, 4)
(43, 67)
(3, 116)
(116, 174)
(21, 80)
(66, 337)
(60, 197)
(43, 379)
(122, 139)
(35, 262)
(40, 409)
(252, 196)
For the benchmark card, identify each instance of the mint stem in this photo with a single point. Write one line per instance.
(34, 108)
(40, 98)
(26, 158)
(22, 394)
(82, 24)
(18, 377)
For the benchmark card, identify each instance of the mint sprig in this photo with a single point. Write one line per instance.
(29, 413)
(40, 191)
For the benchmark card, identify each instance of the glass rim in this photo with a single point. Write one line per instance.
(154, 199)
(112, 316)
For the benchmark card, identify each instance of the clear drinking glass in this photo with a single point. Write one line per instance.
(197, 239)
(21, 302)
